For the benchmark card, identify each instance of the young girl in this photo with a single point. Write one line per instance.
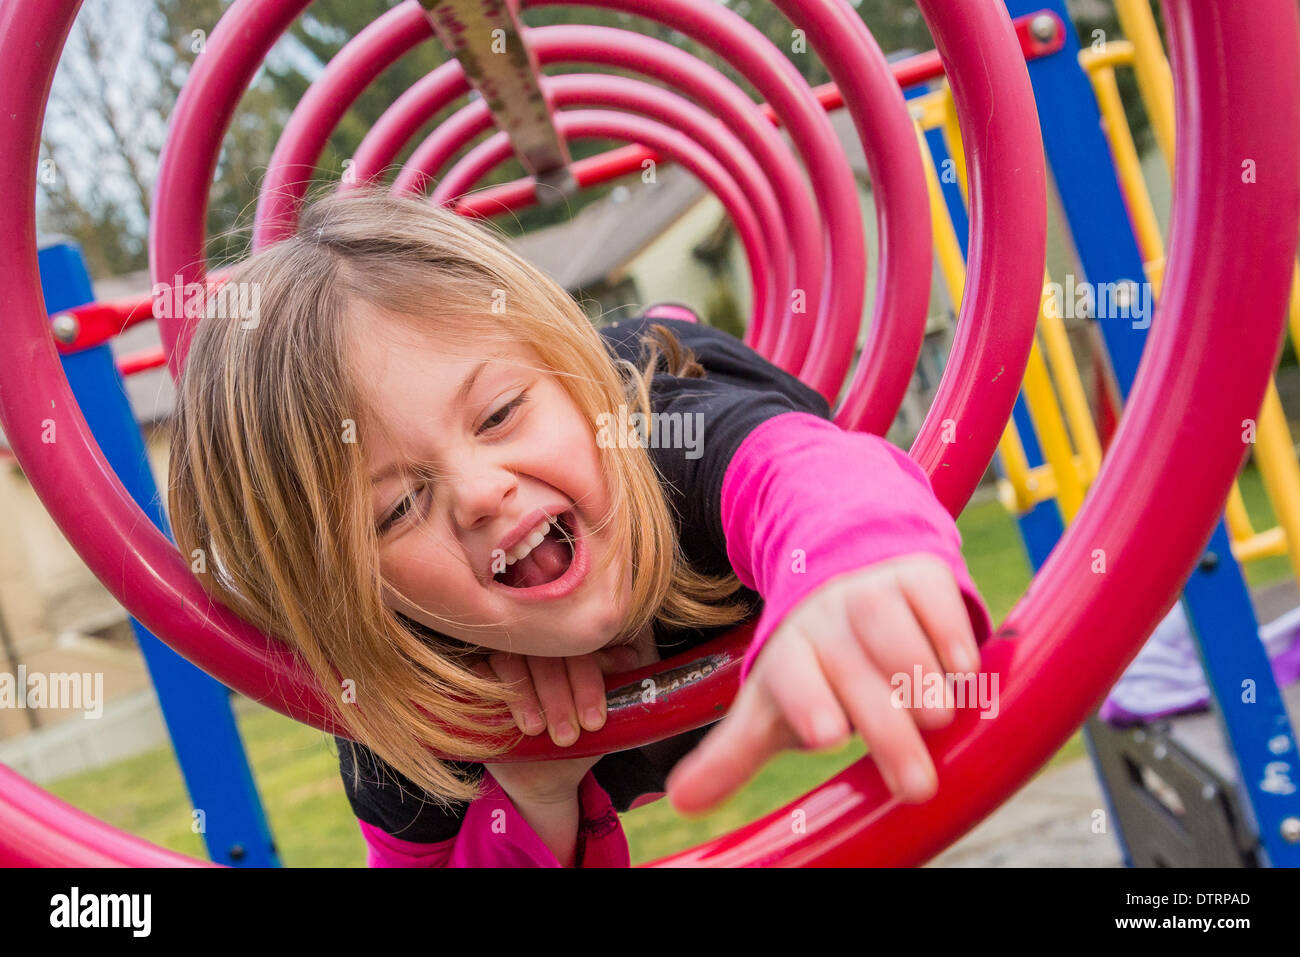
(419, 466)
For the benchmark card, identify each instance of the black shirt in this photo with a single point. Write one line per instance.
(741, 389)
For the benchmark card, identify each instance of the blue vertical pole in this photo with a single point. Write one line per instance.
(195, 706)
(1215, 598)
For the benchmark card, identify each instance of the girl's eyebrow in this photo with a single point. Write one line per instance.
(461, 395)
(469, 382)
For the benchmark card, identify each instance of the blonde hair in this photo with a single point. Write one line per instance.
(260, 480)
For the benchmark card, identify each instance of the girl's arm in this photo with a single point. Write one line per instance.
(804, 501)
(496, 833)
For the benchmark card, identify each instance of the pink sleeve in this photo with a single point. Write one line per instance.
(494, 834)
(804, 501)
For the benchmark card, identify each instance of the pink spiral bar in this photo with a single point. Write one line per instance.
(303, 140)
(177, 240)
(762, 233)
(39, 830)
(1008, 246)
(646, 55)
(884, 124)
(898, 325)
(382, 41)
(241, 65)
(837, 303)
(589, 124)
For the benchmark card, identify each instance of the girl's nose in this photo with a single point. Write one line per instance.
(481, 493)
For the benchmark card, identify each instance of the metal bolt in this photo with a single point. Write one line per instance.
(1291, 830)
(1160, 752)
(554, 187)
(1139, 735)
(1210, 562)
(1043, 27)
(65, 327)
(1209, 792)
(237, 852)
(1124, 295)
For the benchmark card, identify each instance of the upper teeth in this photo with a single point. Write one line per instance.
(528, 542)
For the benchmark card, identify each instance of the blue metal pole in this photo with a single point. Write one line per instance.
(195, 706)
(1217, 602)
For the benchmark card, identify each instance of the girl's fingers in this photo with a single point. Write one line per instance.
(732, 753)
(894, 642)
(588, 686)
(936, 601)
(513, 670)
(551, 681)
(803, 695)
(890, 732)
(558, 691)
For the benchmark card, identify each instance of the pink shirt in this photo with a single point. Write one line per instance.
(803, 501)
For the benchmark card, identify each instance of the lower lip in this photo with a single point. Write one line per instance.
(567, 583)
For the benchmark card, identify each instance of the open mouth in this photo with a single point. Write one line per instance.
(548, 561)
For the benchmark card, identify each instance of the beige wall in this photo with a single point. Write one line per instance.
(59, 617)
(665, 269)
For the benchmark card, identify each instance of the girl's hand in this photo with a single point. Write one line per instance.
(827, 669)
(559, 695)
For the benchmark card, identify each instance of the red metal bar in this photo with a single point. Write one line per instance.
(496, 200)
(141, 361)
(98, 322)
(753, 206)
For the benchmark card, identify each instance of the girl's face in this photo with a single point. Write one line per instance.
(510, 450)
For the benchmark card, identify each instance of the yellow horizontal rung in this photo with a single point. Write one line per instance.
(1017, 468)
(1007, 496)
(1042, 479)
(1040, 486)
(1111, 55)
(929, 110)
(1269, 543)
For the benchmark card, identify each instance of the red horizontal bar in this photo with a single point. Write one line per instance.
(99, 321)
(141, 361)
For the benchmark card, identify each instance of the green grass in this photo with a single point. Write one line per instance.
(298, 779)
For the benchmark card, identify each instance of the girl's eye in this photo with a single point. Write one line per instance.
(503, 414)
(496, 420)
(397, 513)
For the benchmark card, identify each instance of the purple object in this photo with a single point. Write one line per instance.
(1166, 677)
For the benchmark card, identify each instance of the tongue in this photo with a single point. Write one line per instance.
(543, 564)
